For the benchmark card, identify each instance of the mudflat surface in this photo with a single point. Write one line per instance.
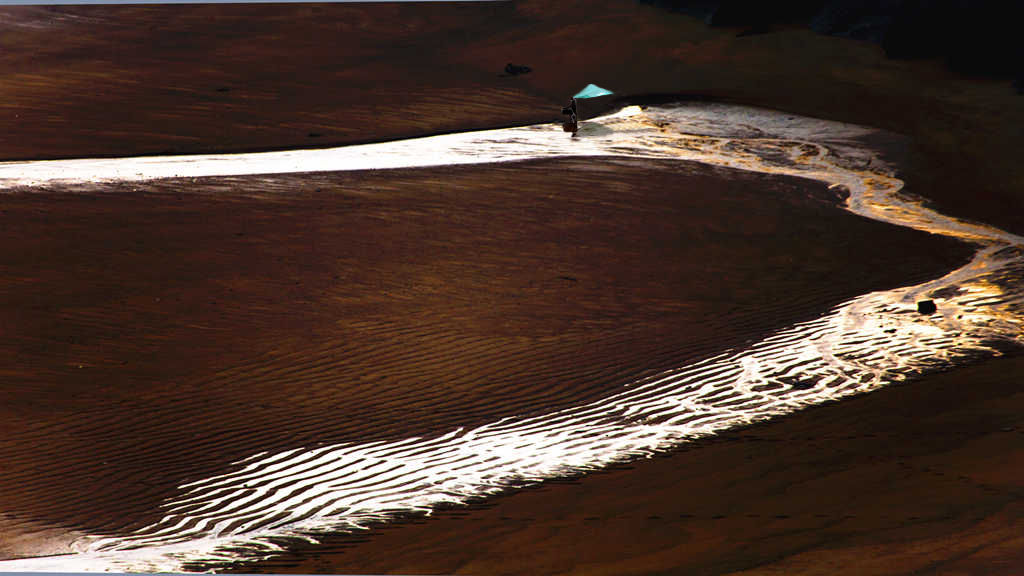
(127, 80)
(157, 332)
(915, 479)
(129, 320)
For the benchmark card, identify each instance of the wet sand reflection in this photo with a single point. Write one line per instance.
(612, 306)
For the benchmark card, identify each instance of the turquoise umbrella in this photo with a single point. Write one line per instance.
(592, 91)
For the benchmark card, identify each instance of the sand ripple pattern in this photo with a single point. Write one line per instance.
(866, 343)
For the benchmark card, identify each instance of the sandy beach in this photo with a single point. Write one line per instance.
(273, 315)
(157, 332)
(915, 479)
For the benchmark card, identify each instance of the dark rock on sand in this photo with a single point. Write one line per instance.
(516, 69)
(926, 307)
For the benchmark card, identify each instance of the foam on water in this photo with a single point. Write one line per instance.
(863, 344)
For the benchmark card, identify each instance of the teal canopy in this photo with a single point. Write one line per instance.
(592, 91)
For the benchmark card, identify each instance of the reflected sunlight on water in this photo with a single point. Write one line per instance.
(865, 343)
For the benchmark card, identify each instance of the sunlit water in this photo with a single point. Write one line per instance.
(868, 342)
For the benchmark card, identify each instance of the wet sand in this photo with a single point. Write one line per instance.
(915, 479)
(205, 78)
(139, 315)
(167, 329)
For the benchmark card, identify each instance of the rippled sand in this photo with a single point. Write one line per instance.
(410, 337)
(912, 479)
(137, 330)
(370, 311)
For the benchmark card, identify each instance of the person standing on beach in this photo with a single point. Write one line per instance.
(572, 124)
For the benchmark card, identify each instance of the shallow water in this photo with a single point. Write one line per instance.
(865, 343)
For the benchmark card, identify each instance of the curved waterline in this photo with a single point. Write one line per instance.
(863, 344)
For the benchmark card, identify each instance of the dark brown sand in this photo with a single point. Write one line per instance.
(123, 80)
(153, 336)
(923, 478)
(160, 331)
